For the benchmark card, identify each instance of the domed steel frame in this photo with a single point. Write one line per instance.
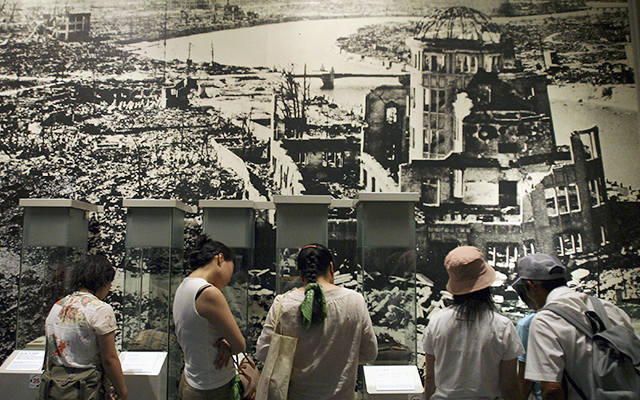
(458, 23)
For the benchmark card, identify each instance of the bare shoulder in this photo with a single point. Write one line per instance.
(211, 294)
(211, 302)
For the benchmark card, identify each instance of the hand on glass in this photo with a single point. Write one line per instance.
(224, 353)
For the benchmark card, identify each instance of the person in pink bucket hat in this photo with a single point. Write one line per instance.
(471, 350)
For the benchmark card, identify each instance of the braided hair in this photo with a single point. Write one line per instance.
(204, 250)
(314, 260)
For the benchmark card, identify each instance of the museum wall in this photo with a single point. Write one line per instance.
(121, 115)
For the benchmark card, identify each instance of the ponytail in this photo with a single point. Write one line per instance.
(205, 250)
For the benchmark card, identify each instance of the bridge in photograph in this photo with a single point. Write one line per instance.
(328, 78)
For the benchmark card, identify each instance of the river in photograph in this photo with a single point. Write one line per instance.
(311, 44)
(290, 46)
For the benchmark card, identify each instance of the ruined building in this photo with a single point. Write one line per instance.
(385, 134)
(67, 26)
(190, 4)
(177, 95)
(309, 159)
(481, 148)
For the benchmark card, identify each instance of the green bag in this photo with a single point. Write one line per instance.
(64, 383)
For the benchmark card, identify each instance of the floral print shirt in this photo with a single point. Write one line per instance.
(72, 330)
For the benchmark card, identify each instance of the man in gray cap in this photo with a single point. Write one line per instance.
(555, 346)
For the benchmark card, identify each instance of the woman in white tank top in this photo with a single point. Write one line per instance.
(205, 326)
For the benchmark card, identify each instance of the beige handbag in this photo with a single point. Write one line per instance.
(274, 380)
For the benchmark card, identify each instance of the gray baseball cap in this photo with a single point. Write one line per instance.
(539, 267)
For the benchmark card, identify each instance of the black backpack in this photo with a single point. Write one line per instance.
(615, 355)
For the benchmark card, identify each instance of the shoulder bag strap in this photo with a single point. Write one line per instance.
(279, 313)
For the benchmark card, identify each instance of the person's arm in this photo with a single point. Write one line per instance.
(525, 385)
(111, 363)
(545, 355)
(213, 306)
(264, 340)
(509, 385)
(552, 391)
(429, 376)
(368, 341)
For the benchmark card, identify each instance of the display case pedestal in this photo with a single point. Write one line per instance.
(145, 373)
(386, 247)
(55, 235)
(153, 270)
(232, 222)
(20, 374)
(300, 220)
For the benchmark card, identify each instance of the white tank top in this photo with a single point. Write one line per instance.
(197, 336)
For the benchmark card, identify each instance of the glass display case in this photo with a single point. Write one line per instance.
(300, 220)
(55, 236)
(232, 222)
(153, 269)
(342, 226)
(386, 252)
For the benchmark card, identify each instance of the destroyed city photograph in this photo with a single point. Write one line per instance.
(515, 123)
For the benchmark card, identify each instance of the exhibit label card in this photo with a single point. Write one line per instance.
(140, 362)
(27, 360)
(388, 379)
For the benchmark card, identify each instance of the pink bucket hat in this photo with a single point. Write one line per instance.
(468, 271)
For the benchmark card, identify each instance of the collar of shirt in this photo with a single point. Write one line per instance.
(557, 293)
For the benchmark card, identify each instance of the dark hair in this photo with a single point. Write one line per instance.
(550, 284)
(314, 260)
(93, 272)
(205, 250)
(474, 306)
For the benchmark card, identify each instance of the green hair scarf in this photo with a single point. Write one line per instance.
(308, 318)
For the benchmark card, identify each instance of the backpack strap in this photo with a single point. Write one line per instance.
(570, 318)
(565, 375)
(581, 326)
(598, 306)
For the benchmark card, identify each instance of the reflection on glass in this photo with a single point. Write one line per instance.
(152, 275)
(390, 290)
(287, 276)
(45, 274)
(237, 291)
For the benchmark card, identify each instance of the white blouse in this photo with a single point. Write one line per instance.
(72, 330)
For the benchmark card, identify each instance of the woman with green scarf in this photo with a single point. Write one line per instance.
(333, 328)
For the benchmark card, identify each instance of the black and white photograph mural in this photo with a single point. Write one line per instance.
(516, 122)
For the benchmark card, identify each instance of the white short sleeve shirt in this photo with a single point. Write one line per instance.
(73, 326)
(468, 356)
